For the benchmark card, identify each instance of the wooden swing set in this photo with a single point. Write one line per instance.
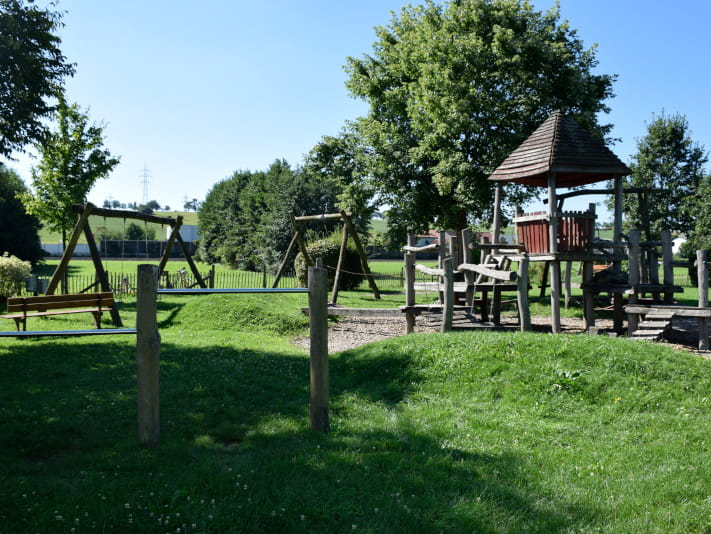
(102, 279)
(348, 229)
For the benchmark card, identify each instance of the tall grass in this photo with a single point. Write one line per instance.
(470, 432)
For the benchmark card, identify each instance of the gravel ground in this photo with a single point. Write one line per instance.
(351, 332)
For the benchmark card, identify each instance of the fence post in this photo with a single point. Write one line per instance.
(703, 273)
(147, 356)
(667, 258)
(634, 255)
(318, 320)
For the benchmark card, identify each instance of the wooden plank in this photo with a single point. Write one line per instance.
(680, 311)
(122, 214)
(361, 253)
(70, 333)
(322, 217)
(506, 276)
(428, 270)
(426, 248)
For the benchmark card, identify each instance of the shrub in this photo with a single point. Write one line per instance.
(13, 273)
(329, 251)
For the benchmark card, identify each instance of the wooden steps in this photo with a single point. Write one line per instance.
(655, 324)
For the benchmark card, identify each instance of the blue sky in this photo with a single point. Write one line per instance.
(195, 93)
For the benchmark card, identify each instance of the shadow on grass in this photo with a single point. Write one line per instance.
(235, 418)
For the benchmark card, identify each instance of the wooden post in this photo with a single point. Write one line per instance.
(212, 277)
(633, 278)
(318, 320)
(568, 282)
(496, 229)
(703, 274)
(341, 256)
(448, 305)
(617, 225)
(555, 264)
(468, 257)
(147, 356)
(524, 313)
(588, 296)
(667, 258)
(410, 285)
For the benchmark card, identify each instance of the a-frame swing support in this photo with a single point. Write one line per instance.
(348, 230)
(84, 211)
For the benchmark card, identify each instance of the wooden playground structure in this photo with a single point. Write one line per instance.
(348, 231)
(82, 227)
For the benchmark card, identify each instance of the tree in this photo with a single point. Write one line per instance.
(18, 229)
(700, 236)
(341, 160)
(671, 164)
(244, 220)
(72, 159)
(453, 89)
(32, 72)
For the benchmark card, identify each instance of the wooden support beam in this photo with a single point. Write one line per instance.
(410, 285)
(122, 214)
(300, 240)
(553, 244)
(524, 311)
(175, 232)
(285, 261)
(100, 273)
(61, 269)
(190, 261)
(361, 253)
(448, 297)
(496, 274)
(341, 256)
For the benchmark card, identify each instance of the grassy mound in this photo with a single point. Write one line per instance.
(472, 432)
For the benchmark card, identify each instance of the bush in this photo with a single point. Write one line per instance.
(329, 251)
(13, 273)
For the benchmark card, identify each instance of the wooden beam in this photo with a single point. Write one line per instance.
(323, 217)
(190, 261)
(100, 273)
(506, 276)
(123, 214)
(169, 246)
(361, 253)
(341, 256)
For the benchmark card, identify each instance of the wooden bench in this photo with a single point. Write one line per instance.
(20, 308)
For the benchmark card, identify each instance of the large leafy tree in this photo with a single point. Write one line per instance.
(73, 158)
(32, 72)
(453, 88)
(18, 229)
(700, 238)
(671, 165)
(244, 220)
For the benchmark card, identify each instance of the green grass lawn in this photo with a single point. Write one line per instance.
(463, 432)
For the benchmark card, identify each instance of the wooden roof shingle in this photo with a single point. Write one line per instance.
(561, 146)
